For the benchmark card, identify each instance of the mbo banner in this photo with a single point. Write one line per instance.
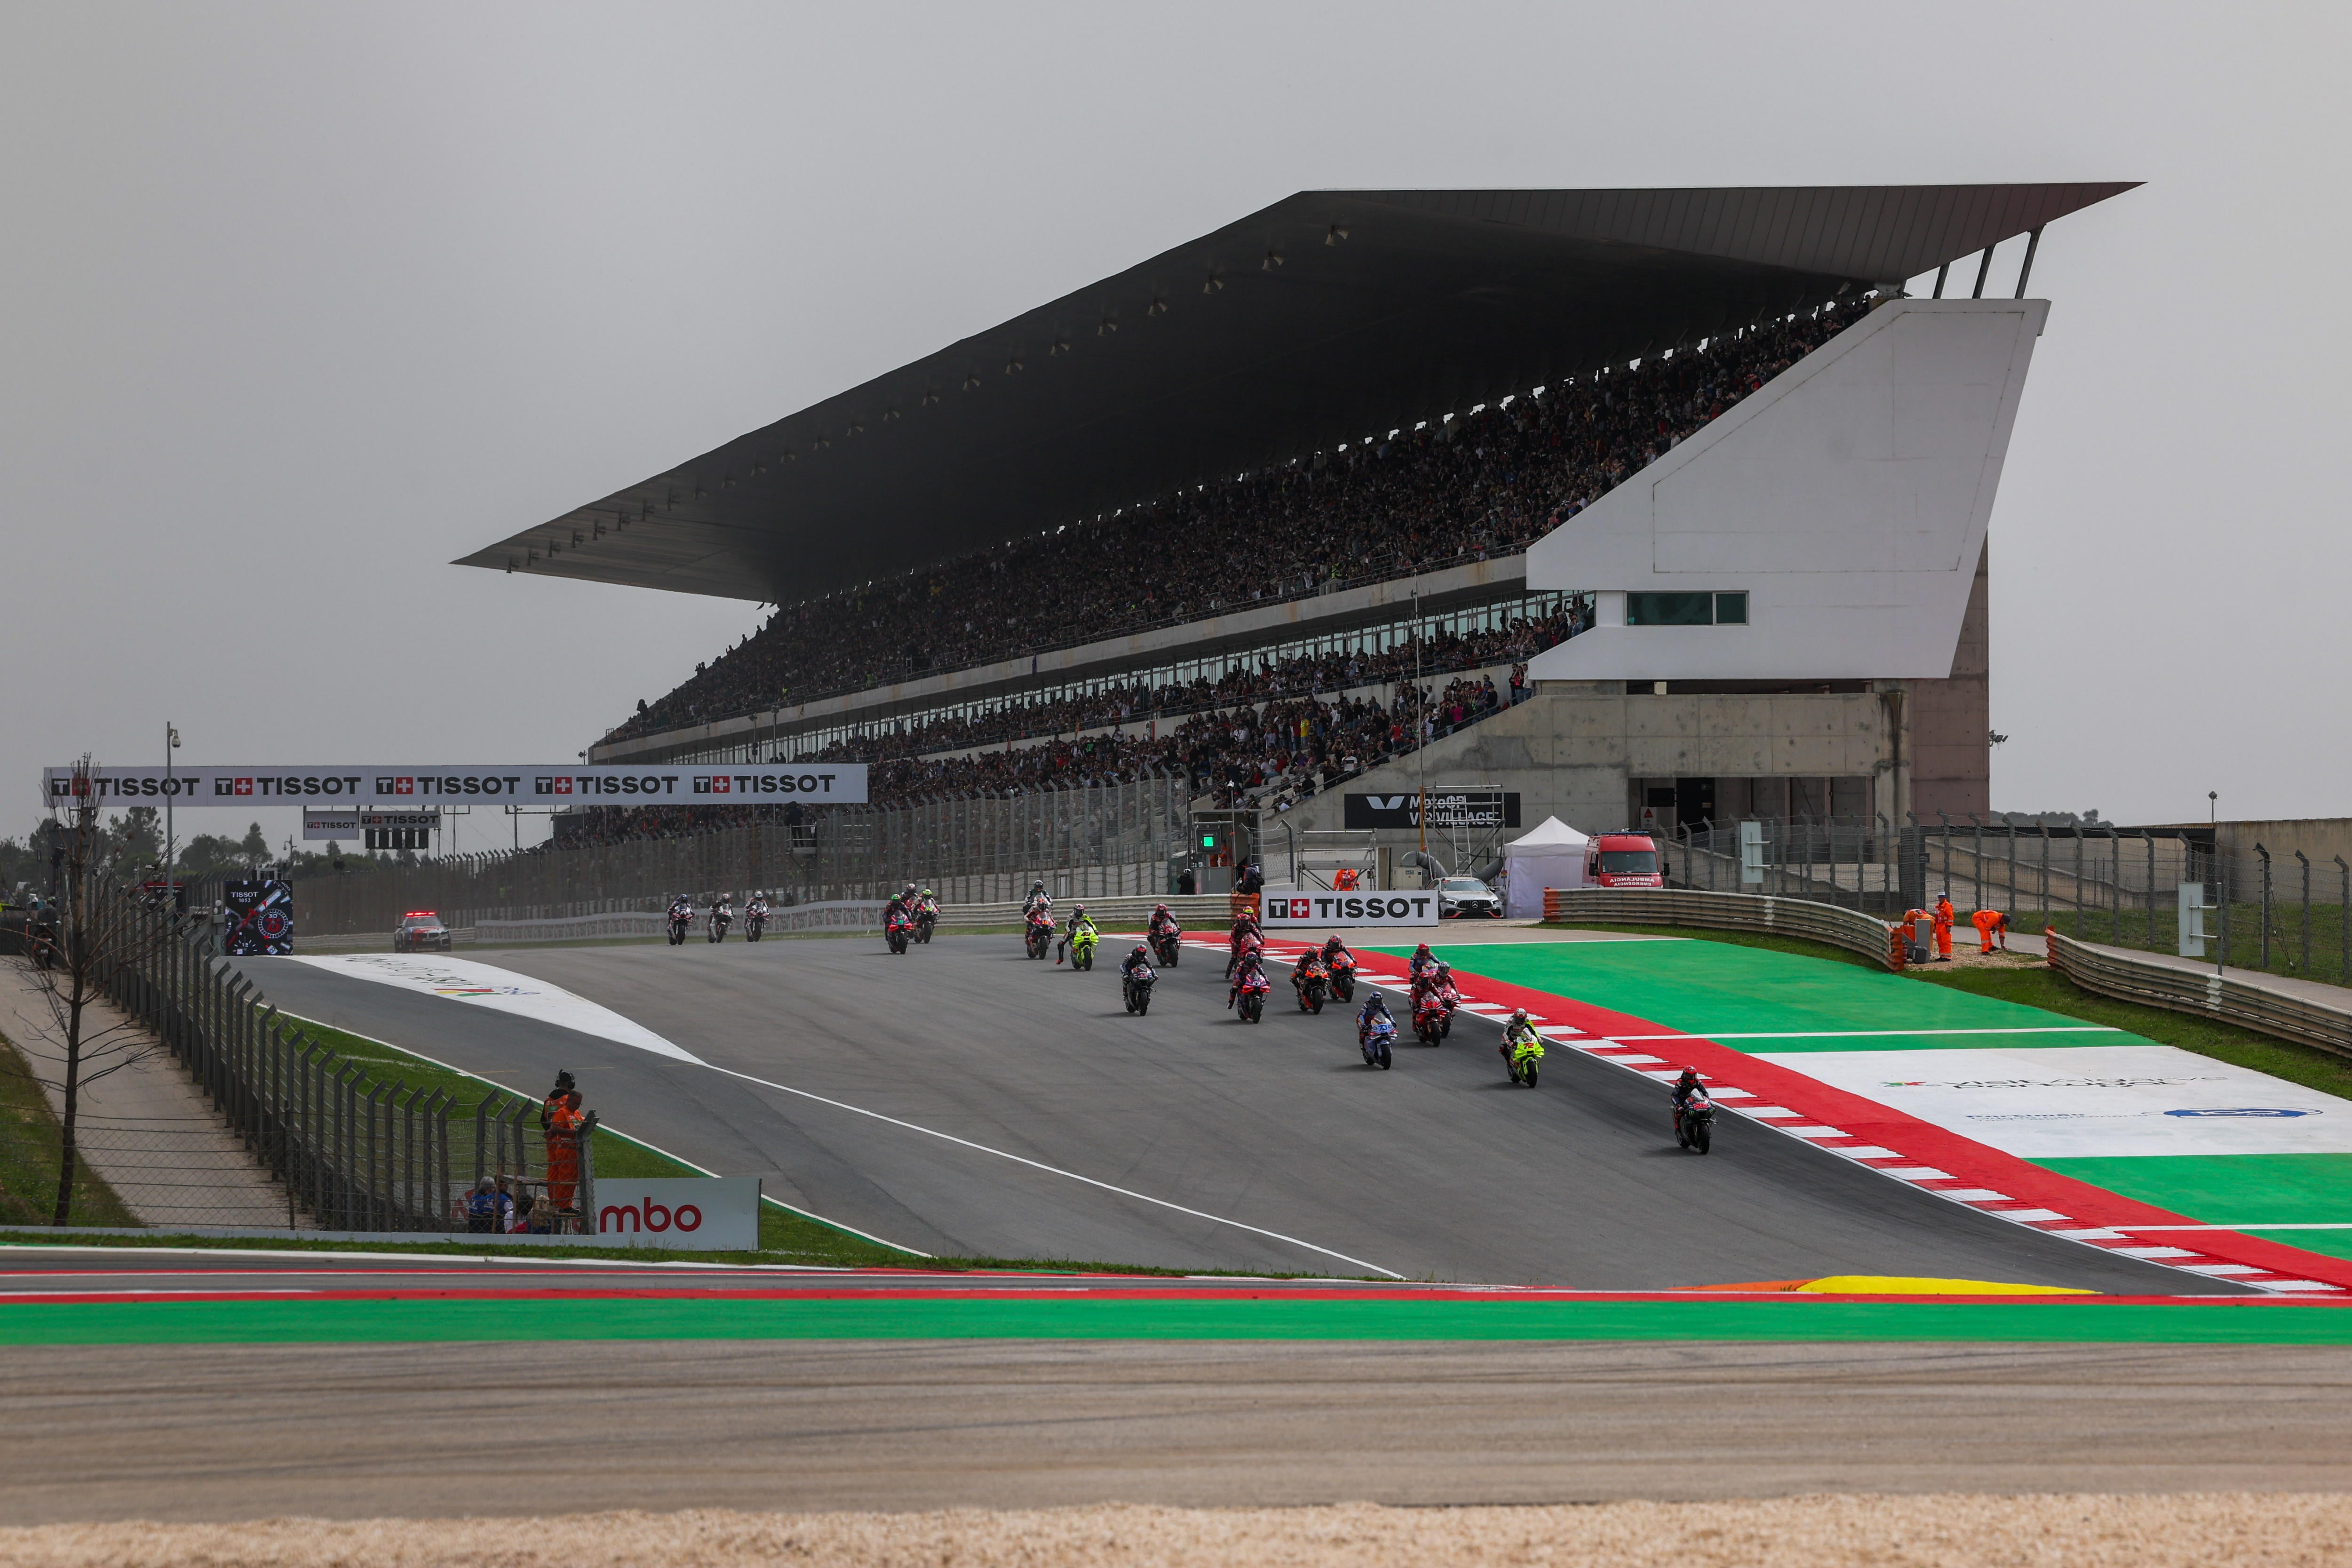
(698, 1213)
(510, 784)
(1280, 912)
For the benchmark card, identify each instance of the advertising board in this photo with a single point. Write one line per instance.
(510, 784)
(696, 1213)
(347, 825)
(1447, 809)
(260, 918)
(1291, 911)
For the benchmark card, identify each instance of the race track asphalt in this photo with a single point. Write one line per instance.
(1289, 1153)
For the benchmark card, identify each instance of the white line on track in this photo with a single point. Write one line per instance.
(1052, 1170)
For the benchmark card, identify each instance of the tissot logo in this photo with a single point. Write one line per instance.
(562, 786)
(245, 787)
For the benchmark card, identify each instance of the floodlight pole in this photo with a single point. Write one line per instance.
(1420, 736)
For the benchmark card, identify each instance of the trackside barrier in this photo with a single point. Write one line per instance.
(2129, 979)
(840, 914)
(1848, 928)
(1194, 911)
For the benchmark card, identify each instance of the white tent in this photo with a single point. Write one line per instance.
(1552, 855)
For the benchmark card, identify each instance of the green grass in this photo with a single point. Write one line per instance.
(30, 1143)
(2036, 986)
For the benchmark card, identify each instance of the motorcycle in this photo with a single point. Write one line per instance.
(1694, 1124)
(1040, 934)
(1137, 987)
(1249, 942)
(1343, 977)
(1254, 988)
(1164, 947)
(1432, 1014)
(898, 929)
(1376, 1039)
(1522, 1060)
(1082, 948)
(679, 921)
(926, 918)
(1312, 986)
(755, 920)
(720, 920)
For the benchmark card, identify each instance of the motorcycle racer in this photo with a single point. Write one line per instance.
(1685, 1086)
(1038, 898)
(1421, 959)
(1163, 922)
(1080, 921)
(1375, 1007)
(1520, 1041)
(1139, 958)
(1245, 969)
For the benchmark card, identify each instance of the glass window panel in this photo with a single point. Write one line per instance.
(1669, 609)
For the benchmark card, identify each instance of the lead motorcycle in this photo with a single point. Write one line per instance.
(680, 919)
(755, 920)
(1164, 947)
(1695, 1123)
(1377, 1039)
(1137, 986)
(898, 929)
(720, 919)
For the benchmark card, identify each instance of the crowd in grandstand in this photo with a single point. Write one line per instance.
(1482, 485)
(1020, 719)
(1485, 484)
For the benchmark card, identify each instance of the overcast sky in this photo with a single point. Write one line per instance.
(299, 302)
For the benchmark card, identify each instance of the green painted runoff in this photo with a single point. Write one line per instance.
(2249, 1190)
(1712, 989)
(444, 1321)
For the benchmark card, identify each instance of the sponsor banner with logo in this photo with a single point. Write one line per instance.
(1447, 809)
(1287, 911)
(327, 823)
(409, 784)
(696, 1213)
(2090, 1101)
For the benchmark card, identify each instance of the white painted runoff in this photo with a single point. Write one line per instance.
(501, 990)
(2082, 1101)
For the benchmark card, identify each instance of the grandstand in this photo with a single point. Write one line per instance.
(1646, 505)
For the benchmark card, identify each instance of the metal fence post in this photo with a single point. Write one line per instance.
(2344, 924)
(2304, 967)
(2265, 909)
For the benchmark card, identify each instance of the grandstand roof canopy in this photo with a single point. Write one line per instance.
(1326, 317)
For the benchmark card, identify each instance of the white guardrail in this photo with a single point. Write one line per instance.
(2247, 1004)
(1850, 929)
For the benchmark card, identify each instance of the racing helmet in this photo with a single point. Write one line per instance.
(1520, 1015)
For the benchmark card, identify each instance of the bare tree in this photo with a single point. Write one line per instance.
(90, 931)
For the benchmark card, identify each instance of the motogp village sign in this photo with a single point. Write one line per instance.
(414, 783)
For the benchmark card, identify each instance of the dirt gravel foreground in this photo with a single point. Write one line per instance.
(2083, 1531)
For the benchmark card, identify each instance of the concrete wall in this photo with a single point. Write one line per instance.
(2320, 838)
(1947, 723)
(1849, 500)
(1572, 751)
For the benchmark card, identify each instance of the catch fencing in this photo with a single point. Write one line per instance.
(1105, 841)
(2283, 913)
(348, 1145)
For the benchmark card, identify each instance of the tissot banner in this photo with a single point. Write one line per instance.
(510, 784)
(1287, 911)
(329, 823)
(1447, 808)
